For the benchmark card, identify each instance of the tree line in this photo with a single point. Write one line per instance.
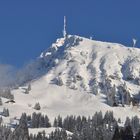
(97, 127)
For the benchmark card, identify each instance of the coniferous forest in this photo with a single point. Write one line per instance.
(97, 127)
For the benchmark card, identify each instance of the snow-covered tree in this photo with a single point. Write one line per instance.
(21, 132)
(107, 85)
(55, 123)
(29, 87)
(37, 106)
(47, 121)
(135, 124)
(124, 94)
(0, 101)
(137, 136)
(26, 91)
(117, 134)
(59, 121)
(95, 88)
(6, 93)
(39, 121)
(59, 81)
(5, 112)
(111, 96)
(127, 121)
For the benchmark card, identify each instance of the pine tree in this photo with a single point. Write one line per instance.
(0, 101)
(5, 112)
(59, 81)
(29, 87)
(1, 120)
(26, 91)
(119, 120)
(137, 137)
(39, 136)
(41, 121)
(59, 121)
(47, 123)
(37, 106)
(117, 135)
(128, 133)
(34, 120)
(55, 123)
(7, 94)
(127, 121)
(21, 132)
(135, 124)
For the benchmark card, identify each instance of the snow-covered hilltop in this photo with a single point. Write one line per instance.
(80, 76)
(94, 67)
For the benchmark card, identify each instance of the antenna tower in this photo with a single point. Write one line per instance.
(64, 30)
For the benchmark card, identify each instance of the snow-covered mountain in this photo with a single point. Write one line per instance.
(80, 76)
(94, 67)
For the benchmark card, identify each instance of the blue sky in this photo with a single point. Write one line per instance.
(27, 27)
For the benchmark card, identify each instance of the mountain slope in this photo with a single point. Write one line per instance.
(81, 77)
(81, 63)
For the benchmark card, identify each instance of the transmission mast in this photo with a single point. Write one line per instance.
(64, 30)
(134, 42)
